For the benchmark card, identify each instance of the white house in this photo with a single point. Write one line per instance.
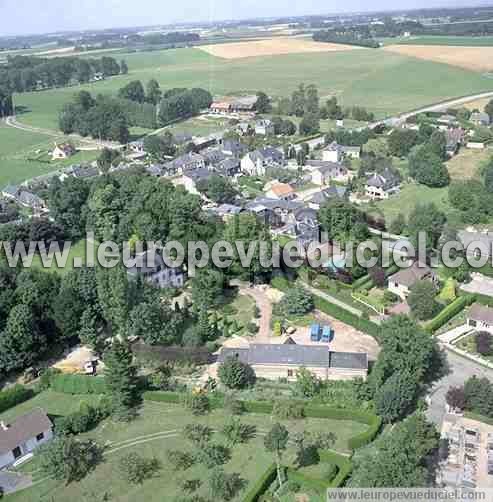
(255, 163)
(480, 317)
(323, 172)
(401, 282)
(23, 436)
(62, 151)
(382, 186)
(264, 127)
(335, 152)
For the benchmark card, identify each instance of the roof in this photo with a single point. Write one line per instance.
(479, 312)
(30, 199)
(262, 203)
(333, 147)
(11, 190)
(227, 210)
(327, 167)
(386, 180)
(282, 189)
(485, 238)
(24, 428)
(324, 195)
(408, 276)
(480, 116)
(66, 148)
(296, 355)
(198, 174)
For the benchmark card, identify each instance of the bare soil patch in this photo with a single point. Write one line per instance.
(270, 47)
(471, 58)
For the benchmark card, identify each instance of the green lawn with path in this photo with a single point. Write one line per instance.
(157, 430)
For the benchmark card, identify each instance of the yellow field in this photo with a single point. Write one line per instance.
(271, 47)
(471, 58)
(477, 104)
(466, 163)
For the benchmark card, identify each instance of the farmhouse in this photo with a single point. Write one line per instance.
(382, 186)
(256, 163)
(23, 436)
(151, 266)
(234, 105)
(480, 317)
(274, 361)
(480, 119)
(323, 172)
(62, 151)
(401, 283)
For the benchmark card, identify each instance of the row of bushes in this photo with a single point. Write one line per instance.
(262, 484)
(13, 396)
(267, 407)
(344, 466)
(450, 311)
(88, 417)
(78, 384)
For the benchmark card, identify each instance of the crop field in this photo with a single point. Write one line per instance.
(467, 163)
(271, 47)
(456, 41)
(385, 82)
(470, 58)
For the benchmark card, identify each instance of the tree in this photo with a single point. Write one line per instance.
(377, 275)
(237, 432)
(134, 91)
(123, 67)
(236, 374)
(395, 397)
(489, 109)
(298, 101)
(213, 455)
(426, 167)
(225, 486)
(207, 288)
(136, 469)
(68, 459)
(153, 92)
(217, 188)
(197, 434)
(484, 343)
(107, 159)
(179, 460)
(263, 104)
(398, 225)
(421, 299)
(276, 442)
(401, 141)
(340, 219)
(310, 124)
(438, 144)
(429, 220)
(307, 384)
(296, 301)
(120, 379)
(456, 398)
(159, 147)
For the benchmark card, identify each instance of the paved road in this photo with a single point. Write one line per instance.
(460, 369)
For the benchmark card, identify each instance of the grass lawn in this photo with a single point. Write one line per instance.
(384, 82)
(239, 308)
(198, 126)
(407, 199)
(249, 460)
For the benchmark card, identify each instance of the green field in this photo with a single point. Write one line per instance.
(440, 40)
(145, 435)
(17, 147)
(384, 82)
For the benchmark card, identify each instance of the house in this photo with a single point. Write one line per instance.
(323, 172)
(273, 212)
(264, 127)
(181, 138)
(22, 436)
(401, 282)
(220, 107)
(318, 199)
(244, 104)
(282, 191)
(190, 179)
(335, 152)
(10, 192)
(151, 267)
(274, 361)
(382, 186)
(476, 244)
(62, 151)
(480, 318)
(476, 145)
(186, 162)
(305, 227)
(234, 148)
(155, 170)
(256, 163)
(213, 156)
(480, 119)
(226, 211)
(454, 139)
(228, 167)
(79, 171)
(137, 146)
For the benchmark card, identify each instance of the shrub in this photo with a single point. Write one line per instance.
(197, 403)
(483, 343)
(236, 374)
(179, 460)
(137, 469)
(47, 377)
(284, 410)
(13, 396)
(197, 433)
(297, 301)
(83, 420)
(447, 294)
(213, 455)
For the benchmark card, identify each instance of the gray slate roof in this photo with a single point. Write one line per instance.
(24, 428)
(481, 313)
(409, 276)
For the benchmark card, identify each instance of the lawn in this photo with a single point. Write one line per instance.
(199, 126)
(384, 82)
(147, 436)
(407, 199)
(20, 152)
(465, 164)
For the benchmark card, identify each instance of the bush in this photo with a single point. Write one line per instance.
(13, 396)
(47, 377)
(83, 420)
(78, 384)
(284, 410)
(449, 311)
(297, 301)
(137, 469)
(236, 374)
(179, 460)
(197, 403)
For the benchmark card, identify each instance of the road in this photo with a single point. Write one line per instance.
(460, 369)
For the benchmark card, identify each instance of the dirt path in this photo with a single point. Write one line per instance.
(264, 303)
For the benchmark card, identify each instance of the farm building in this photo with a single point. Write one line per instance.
(23, 436)
(62, 151)
(273, 361)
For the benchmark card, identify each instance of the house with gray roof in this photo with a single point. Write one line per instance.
(476, 244)
(257, 162)
(323, 172)
(186, 162)
(274, 361)
(382, 185)
(480, 119)
(318, 199)
(234, 148)
(401, 282)
(190, 179)
(273, 212)
(480, 318)
(23, 435)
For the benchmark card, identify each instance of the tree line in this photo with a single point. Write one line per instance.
(29, 73)
(345, 37)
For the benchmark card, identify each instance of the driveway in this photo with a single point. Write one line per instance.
(13, 481)
(479, 284)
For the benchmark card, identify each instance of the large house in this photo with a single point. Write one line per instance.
(480, 317)
(151, 267)
(318, 199)
(382, 186)
(274, 212)
(476, 244)
(323, 172)
(274, 361)
(264, 127)
(256, 163)
(62, 151)
(401, 282)
(186, 162)
(22, 436)
(234, 105)
(480, 119)
(335, 152)
(282, 191)
(24, 198)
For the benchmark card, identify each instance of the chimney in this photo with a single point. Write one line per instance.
(3, 426)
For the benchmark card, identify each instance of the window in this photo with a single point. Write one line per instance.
(472, 322)
(290, 373)
(17, 452)
(40, 437)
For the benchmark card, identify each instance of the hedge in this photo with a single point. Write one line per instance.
(359, 283)
(449, 311)
(347, 317)
(78, 384)
(13, 396)
(343, 463)
(262, 484)
(311, 411)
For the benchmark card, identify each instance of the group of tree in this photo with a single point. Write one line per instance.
(182, 103)
(134, 91)
(6, 102)
(476, 396)
(218, 188)
(350, 138)
(346, 36)
(28, 73)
